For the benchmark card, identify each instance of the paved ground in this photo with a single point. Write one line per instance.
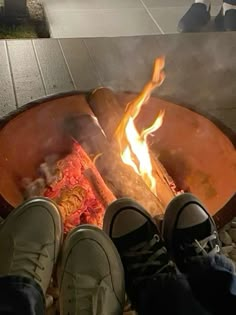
(102, 18)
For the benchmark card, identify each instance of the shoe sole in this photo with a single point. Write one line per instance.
(42, 202)
(119, 205)
(172, 213)
(113, 257)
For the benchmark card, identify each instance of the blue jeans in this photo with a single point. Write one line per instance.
(208, 288)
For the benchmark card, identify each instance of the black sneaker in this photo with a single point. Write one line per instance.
(230, 20)
(137, 238)
(195, 18)
(189, 230)
(226, 22)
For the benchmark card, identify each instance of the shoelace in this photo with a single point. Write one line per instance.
(157, 258)
(90, 299)
(206, 246)
(202, 247)
(23, 257)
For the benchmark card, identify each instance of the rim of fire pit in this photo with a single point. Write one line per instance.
(5, 119)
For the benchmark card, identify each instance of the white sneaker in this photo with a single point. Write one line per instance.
(30, 240)
(90, 276)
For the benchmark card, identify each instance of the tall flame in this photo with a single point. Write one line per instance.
(133, 145)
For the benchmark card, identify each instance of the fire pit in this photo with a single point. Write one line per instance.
(72, 148)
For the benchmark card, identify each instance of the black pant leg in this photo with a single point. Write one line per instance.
(167, 294)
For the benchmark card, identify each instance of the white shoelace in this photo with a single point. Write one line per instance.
(91, 298)
(202, 246)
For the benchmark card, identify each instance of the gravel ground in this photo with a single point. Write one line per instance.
(228, 239)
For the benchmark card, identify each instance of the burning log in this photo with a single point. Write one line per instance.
(119, 178)
(126, 183)
(103, 101)
(134, 145)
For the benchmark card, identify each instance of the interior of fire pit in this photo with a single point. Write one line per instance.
(197, 154)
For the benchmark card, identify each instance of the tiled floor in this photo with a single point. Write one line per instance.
(109, 18)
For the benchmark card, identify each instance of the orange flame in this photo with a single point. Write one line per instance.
(133, 145)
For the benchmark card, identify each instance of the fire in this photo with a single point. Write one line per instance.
(134, 149)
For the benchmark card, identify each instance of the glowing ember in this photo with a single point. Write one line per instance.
(133, 145)
(79, 190)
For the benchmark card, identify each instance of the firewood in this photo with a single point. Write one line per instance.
(87, 131)
(107, 109)
(124, 182)
(119, 178)
(106, 100)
